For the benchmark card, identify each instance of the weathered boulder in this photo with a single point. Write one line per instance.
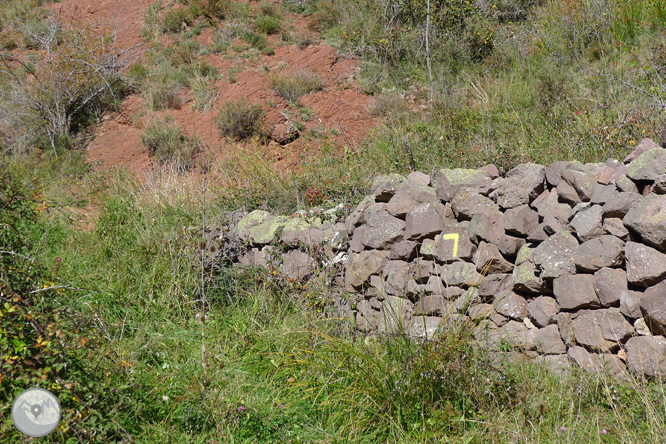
(249, 221)
(417, 176)
(404, 250)
(385, 187)
(367, 317)
(600, 252)
(620, 204)
(489, 260)
(548, 341)
(454, 244)
(645, 265)
(646, 356)
(581, 181)
(601, 330)
(423, 221)
(448, 182)
(400, 204)
(468, 203)
(488, 226)
(603, 193)
(630, 303)
(609, 283)
(649, 165)
(357, 217)
(495, 285)
(382, 230)
(522, 185)
(297, 265)
(521, 220)
(653, 308)
(295, 230)
(543, 311)
(362, 265)
(554, 171)
(615, 227)
(643, 146)
(574, 292)
(588, 223)
(434, 305)
(555, 256)
(424, 327)
(460, 274)
(512, 306)
(648, 219)
(398, 279)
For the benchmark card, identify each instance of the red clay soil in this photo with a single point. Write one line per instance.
(340, 118)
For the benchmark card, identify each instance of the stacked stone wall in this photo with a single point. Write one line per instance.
(564, 262)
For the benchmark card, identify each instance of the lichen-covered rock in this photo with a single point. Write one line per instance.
(543, 311)
(419, 177)
(251, 220)
(489, 260)
(646, 356)
(423, 221)
(526, 280)
(600, 252)
(581, 181)
(512, 306)
(297, 265)
(488, 226)
(555, 256)
(574, 292)
(645, 265)
(648, 219)
(587, 223)
(382, 230)
(468, 203)
(514, 333)
(620, 204)
(267, 231)
(384, 187)
(397, 277)
(448, 182)
(522, 185)
(357, 217)
(363, 265)
(454, 243)
(649, 165)
(434, 305)
(643, 146)
(295, 230)
(460, 274)
(603, 193)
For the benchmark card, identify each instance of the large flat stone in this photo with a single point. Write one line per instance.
(574, 292)
(648, 219)
(645, 265)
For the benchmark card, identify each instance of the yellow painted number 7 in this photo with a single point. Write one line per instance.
(454, 237)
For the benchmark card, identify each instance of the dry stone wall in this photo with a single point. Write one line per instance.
(563, 262)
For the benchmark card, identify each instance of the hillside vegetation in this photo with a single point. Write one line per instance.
(104, 299)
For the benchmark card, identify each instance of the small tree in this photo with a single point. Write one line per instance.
(77, 75)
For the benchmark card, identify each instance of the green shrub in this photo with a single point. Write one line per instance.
(240, 119)
(215, 9)
(268, 24)
(168, 144)
(256, 40)
(174, 20)
(163, 95)
(388, 105)
(296, 84)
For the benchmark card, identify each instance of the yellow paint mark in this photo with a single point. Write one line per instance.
(454, 237)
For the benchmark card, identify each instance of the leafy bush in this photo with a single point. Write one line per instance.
(240, 119)
(163, 96)
(174, 19)
(388, 105)
(168, 144)
(256, 40)
(296, 84)
(268, 24)
(217, 9)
